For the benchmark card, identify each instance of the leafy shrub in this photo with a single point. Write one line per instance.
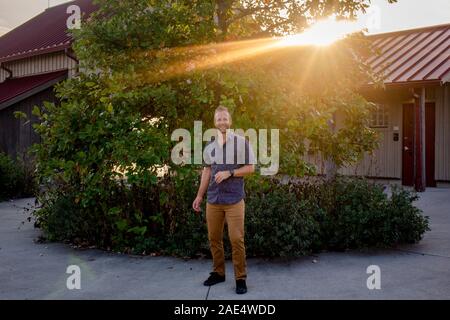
(282, 219)
(358, 215)
(128, 218)
(8, 177)
(277, 223)
(405, 222)
(62, 220)
(16, 177)
(362, 215)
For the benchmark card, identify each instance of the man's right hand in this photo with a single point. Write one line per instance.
(196, 204)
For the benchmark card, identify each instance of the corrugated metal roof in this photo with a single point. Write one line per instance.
(46, 32)
(411, 56)
(15, 87)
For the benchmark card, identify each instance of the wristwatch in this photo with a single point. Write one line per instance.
(232, 173)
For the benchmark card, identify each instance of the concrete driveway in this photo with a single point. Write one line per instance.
(30, 270)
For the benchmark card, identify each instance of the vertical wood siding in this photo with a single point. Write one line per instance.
(17, 135)
(386, 161)
(3, 75)
(40, 64)
(442, 160)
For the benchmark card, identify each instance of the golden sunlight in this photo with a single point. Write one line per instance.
(201, 57)
(322, 33)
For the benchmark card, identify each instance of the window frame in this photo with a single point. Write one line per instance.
(382, 116)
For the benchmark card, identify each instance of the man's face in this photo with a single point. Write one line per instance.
(222, 121)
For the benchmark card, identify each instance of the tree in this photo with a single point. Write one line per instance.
(149, 67)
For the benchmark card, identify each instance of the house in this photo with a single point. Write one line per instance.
(413, 114)
(33, 58)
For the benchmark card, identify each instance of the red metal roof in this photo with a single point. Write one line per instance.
(12, 88)
(413, 56)
(46, 32)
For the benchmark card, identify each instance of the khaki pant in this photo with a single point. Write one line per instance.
(233, 214)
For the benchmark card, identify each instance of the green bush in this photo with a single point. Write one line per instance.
(16, 178)
(282, 219)
(128, 218)
(362, 215)
(294, 218)
(405, 222)
(62, 220)
(277, 222)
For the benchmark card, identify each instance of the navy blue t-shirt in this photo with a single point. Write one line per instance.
(233, 154)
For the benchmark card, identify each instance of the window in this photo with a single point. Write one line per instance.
(380, 117)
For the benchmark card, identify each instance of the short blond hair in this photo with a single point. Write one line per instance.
(220, 109)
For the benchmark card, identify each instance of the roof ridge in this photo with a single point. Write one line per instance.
(424, 28)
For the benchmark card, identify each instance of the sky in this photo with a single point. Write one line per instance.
(383, 17)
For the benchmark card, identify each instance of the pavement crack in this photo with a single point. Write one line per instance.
(422, 253)
(207, 293)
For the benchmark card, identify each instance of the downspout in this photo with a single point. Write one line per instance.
(419, 140)
(2, 66)
(423, 137)
(70, 56)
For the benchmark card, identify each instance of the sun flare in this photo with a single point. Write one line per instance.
(322, 33)
(202, 57)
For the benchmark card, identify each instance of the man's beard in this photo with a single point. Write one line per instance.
(223, 129)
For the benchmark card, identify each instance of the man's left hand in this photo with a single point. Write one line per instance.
(222, 175)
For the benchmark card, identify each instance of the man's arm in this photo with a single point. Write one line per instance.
(241, 172)
(204, 182)
(244, 170)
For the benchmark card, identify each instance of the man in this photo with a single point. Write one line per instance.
(227, 160)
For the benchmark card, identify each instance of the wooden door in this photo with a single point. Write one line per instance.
(408, 146)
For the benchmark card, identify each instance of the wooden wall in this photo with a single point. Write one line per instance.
(17, 135)
(442, 165)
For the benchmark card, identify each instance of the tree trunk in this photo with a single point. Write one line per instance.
(330, 169)
(223, 7)
(330, 165)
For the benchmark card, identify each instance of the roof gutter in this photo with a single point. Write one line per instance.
(414, 83)
(406, 84)
(68, 53)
